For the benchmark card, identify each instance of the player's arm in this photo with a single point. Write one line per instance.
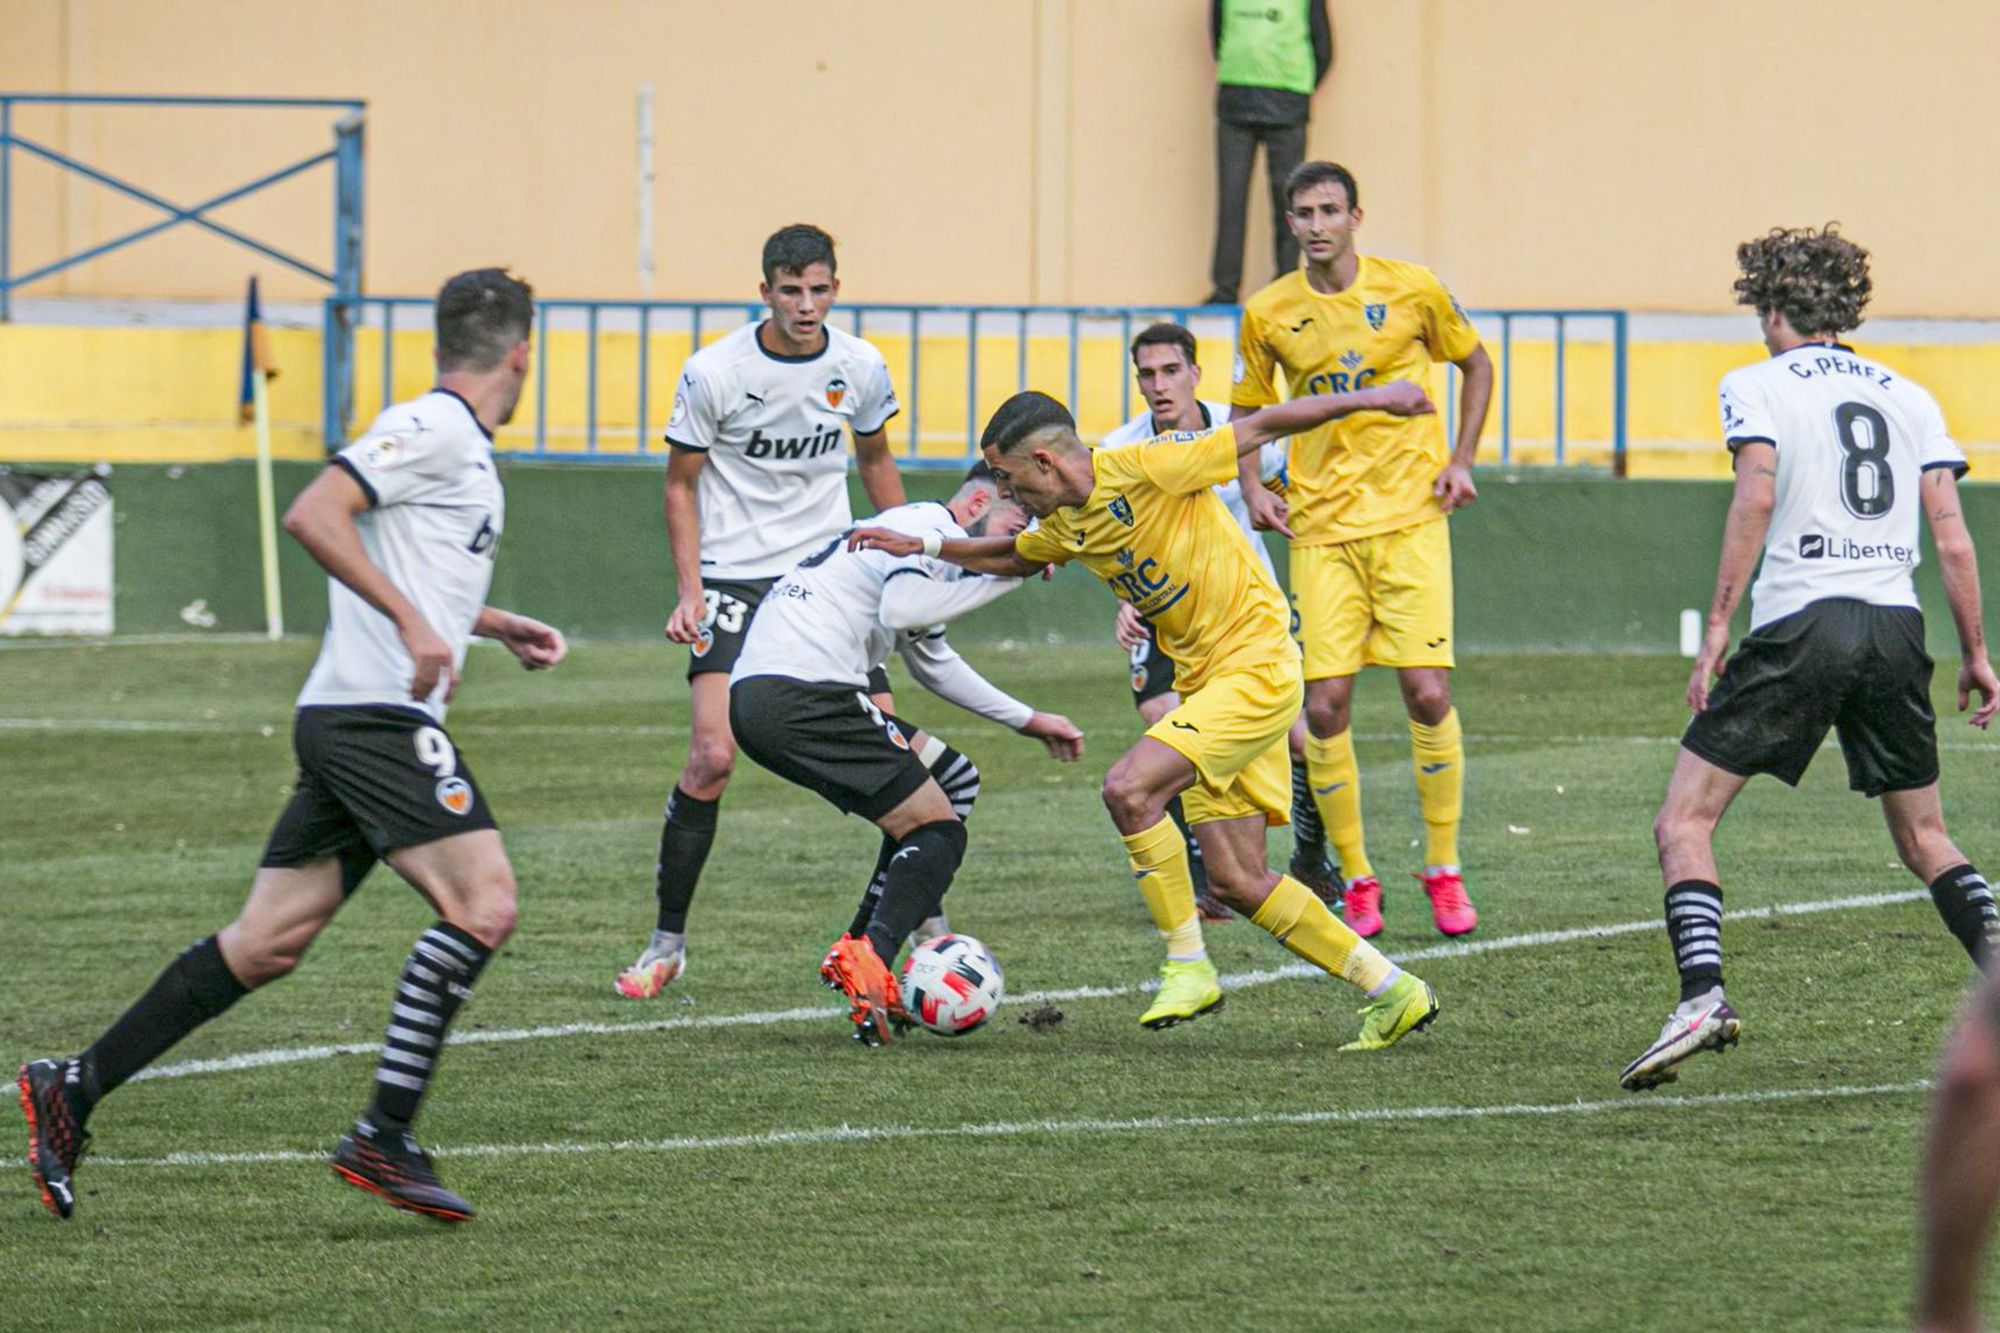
(911, 600)
(535, 644)
(1958, 565)
(684, 539)
(1268, 510)
(1454, 488)
(1742, 543)
(880, 476)
(321, 519)
(981, 555)
(1960, 1177)
(936, 665)
(1254, 430)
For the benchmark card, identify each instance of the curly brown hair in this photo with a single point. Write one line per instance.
(1818, 280)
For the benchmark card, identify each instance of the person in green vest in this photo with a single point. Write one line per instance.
(1269, 56)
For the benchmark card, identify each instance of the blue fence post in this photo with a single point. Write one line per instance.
(641, 440)
(1506, 388)
(1072, 361)
(1562, 399)
(1619, 351)
(971, 380)
(1021, 353)
(916, 385)
(542, 381)
(1124, 380)
(338, 331)
(590, 382)
(6, 208)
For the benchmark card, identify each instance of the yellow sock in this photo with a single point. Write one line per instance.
(1336, 788)
(1159, 860)
(1438, 755)
(1299, 921)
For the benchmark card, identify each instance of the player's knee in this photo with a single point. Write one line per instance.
(1242, 888)
(1325, 716)
(489, 911)
(1132, 805)
(1427, 700)
(711, 759)
(260, 959)
(1674, 828)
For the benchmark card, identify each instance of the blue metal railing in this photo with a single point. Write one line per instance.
(693, 324)
(344, 277)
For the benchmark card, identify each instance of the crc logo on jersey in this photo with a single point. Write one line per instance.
(1376, 313)
(1121, 509)
(836, 390)
(455, 795)
(1341, 381)
(382, 454)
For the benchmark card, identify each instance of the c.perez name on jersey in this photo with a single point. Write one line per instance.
(774, 487)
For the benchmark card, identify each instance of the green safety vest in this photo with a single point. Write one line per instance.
(1266, 44)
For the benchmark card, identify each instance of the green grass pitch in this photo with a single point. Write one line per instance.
(717, 1173)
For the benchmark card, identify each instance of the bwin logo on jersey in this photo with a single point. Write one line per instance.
(1376, 313)
(1121, 509)
(803, 446)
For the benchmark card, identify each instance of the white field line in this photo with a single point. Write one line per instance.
(1007, 1129)
(286, 1055)
(282, 725)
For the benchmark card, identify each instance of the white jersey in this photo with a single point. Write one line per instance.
(1854, 440)
(775, 487)
(1270, 466)
(433, 523)
(839, 614)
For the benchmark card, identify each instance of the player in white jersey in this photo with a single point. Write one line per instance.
(757, 479)
(1836, 456)
(800, 706)
(1163, 359)
(405, 522)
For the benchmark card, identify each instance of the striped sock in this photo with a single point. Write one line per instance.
(1694, 923)
(437, 978)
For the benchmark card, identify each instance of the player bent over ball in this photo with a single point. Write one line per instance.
(1145, 518)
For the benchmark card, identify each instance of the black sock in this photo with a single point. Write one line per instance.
(1308, 833)
(1694, 924)
(685, 837)
(920, 871)
(873, 893)
(437, 978)
(1965, 901)
(1196, 870)
(195, 987)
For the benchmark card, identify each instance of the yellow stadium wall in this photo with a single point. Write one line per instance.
(127, 395)
(1537, 152)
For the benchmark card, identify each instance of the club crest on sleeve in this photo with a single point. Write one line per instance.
(679, 414)
(836, 391)
(383, 453)
(704, 640)
(455, 795)
(1376, 313)
(1121, 509)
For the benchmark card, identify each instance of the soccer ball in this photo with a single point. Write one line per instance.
(951, 984)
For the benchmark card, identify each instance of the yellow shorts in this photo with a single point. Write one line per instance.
(1377, 601)
(1233, 731)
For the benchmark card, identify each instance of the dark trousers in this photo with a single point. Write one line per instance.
(1235, 150)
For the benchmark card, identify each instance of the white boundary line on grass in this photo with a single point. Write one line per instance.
(1005, 1129)
(814, 1013)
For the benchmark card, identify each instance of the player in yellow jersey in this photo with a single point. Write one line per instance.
(1146, 519)
(1365, 510)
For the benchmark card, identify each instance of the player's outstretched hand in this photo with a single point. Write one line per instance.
(1975, 676)
(1130, 626)
(1402, 398)
(883, 539)
(1454, 488)
(684, 624)
(1708, 666)
(538, 646)
(1268, 511)
(1058, 733)
(433, 659)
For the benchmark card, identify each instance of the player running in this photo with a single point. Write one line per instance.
(1835, 455)
(1365, 508)
(1163, 359)
(1145, 518)
(757, 481)
(799, 705)
(405, 522)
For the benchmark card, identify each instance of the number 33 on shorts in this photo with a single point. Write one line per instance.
(436, 752)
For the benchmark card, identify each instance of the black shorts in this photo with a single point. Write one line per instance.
(732, 605)
(372, 779)
(829, 738)
(1856, 668)
(1152, 670)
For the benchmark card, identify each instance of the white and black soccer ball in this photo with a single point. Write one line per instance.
(951, 984)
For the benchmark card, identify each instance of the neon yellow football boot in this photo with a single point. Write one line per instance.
(1407, 1006)
(1187, 991)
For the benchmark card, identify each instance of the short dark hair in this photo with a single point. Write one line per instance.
(979, 474)
(1166, 333)
(1818, 280)
(1021, 416)
(1308, 174)
(481, 314)
(795, 249)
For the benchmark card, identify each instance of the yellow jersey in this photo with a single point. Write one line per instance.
(1159, 536)
(1369, 472)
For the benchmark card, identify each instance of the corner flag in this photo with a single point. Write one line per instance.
(256, 356)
